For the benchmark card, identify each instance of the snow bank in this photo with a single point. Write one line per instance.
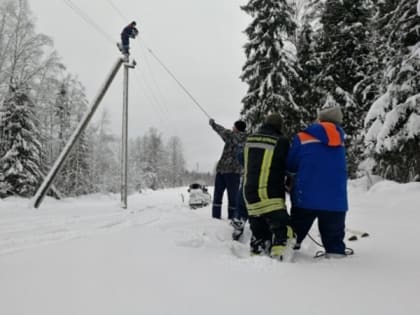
(88, 256)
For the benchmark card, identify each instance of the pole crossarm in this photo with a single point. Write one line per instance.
(43, 189)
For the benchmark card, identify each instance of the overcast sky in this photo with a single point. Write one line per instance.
(200, 41)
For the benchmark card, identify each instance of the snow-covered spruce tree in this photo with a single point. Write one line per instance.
(393, 122)
(70, 105)
(75, 178)
(341, 54)
(105, 157)
(20, 159)
(308, 35)
(307, 96)
(155, 160)
(136, 180)
(271, 69)
(176, 161)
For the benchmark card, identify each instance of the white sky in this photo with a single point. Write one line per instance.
(201, 42)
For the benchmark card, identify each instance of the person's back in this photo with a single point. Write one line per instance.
(318, 158)
(228, 162)
(265, 163)
(317, 164)
(130, 31)
(228, 169)
(264, 173)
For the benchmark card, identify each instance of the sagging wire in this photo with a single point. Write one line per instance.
(88, 20)
(163, 65)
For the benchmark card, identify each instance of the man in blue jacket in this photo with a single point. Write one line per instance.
(130, 31)
(317, 165)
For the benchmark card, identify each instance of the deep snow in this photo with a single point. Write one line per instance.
(88, 256)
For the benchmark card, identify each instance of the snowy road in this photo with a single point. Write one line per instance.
(88, 256)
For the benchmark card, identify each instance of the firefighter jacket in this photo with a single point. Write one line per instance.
(265, 156)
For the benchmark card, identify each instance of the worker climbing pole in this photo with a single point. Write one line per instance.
(131, 32)
(128, 32)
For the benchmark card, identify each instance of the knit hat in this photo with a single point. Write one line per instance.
(275, 121)
(331, 114)
(240, 125)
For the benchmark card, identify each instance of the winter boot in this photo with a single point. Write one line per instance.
(285, 251)
(277, 252)
(238, 228)
(260, 247)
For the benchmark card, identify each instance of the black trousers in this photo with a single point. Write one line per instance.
(125, 40)
(271, 227)
(229, 182)
(331, 225)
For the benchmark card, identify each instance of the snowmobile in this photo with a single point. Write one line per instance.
(199, 196)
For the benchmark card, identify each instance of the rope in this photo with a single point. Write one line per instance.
(91, 22)
(348, 251)
(178, 82)
(163, 65)
(315, 241)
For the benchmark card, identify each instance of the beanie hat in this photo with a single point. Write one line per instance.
(275, 121)
(331, 114)
(240, 125)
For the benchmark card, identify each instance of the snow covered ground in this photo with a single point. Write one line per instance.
(88, 256)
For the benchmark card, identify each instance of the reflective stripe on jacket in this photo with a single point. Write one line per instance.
(265, 161)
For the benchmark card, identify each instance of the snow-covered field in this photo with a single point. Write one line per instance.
(88, 256)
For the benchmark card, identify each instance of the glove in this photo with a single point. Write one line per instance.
(211, 121)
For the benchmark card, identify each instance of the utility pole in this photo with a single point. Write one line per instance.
(43, 189)
(124, 147)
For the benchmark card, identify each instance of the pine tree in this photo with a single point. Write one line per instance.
(307, 96)
(75, 176)
(105, 157)
(70, 105)
(341, 54)
(393, 122)
(176, 161)
(271, 69)
(20, 156)
(135, 164)
(155, 160)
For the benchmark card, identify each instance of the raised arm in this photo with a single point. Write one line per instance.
(224, 133)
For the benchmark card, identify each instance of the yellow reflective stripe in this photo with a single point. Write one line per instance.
(277, 250)
(261, 139)
(265, 206)
(290, 233)
(264, 173)
(259, 145)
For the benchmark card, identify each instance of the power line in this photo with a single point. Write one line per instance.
(162, 98)
(117, 10)
(154, 81)
(85, 17)
(163, 65)
(88, 20)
